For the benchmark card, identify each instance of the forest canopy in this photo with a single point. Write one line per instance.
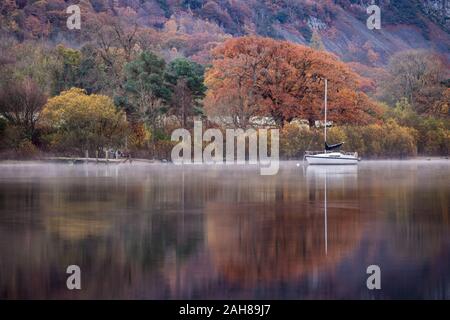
(253, 76)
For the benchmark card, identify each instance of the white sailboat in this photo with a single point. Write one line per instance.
(329, 156)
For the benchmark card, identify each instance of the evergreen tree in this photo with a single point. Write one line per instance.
(146, 87)
(186, 82)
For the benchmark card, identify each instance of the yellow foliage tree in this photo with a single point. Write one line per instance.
(84, 122)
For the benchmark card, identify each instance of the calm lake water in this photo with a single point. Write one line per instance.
(210, 232)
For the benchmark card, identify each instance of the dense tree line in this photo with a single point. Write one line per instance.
(141, 85)
(117, 93)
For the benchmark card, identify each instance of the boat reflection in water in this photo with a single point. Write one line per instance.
(337, 173)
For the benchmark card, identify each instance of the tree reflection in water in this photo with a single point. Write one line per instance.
(274, 241)
(163, 231)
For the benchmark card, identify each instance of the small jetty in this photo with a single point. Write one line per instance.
(72, 160)
(84, 160)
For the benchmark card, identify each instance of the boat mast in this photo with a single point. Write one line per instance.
(326, 98)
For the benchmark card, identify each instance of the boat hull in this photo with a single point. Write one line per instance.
(327, 159)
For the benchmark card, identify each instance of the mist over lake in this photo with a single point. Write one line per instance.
(224, 231)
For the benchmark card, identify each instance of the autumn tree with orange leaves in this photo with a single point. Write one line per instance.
(253, 76)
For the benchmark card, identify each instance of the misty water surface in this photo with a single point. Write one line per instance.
(173, 232)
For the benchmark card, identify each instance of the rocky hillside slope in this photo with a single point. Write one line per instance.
(339, 24)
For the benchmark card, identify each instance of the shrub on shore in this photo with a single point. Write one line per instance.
(388, 140)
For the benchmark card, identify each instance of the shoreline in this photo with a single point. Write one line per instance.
(103, 161)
